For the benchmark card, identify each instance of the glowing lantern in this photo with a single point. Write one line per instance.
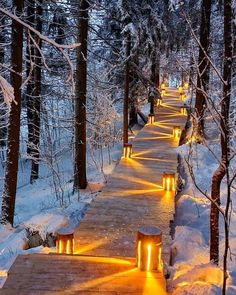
(159, 102)
(186, 85)
(182, 96)
(184, 111)
(176, 132)
(163, 86)
(180, 89)
(65, 241)
(151, 119)
(163, 92)
(127, 150)
(169, 181)
(149, 249)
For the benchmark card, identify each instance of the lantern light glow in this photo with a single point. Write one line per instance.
(127, 150)
(186, 85)
(169, 182)
(149, 250)
(184, 111)
(151, 119)
(176, 132)
(180, 89)
(65, 242)
(163, 86)
(149, 243)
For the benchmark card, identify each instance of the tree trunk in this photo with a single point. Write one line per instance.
(227, 74)
(37, 98)
(203, 63)
(80, 178)
(30, 55)
(225, 138)
(155, 75)
(10, 185)
(126, 92)
(3, 129)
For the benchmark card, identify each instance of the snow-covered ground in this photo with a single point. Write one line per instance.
(192, 273)
(37, 208)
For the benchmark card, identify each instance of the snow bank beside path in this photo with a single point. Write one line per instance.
(192, 274)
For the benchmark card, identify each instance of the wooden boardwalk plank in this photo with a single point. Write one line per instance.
(106, 236)
(133, 195)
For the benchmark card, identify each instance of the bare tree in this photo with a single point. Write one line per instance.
(204, 66)
(9, 193)
(80, 178)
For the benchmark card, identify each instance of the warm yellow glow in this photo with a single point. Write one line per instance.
(168, 184)
(192, 139)
(149, 249)
(184, 111)
(127, 150)
(159, 102)
(163, 92)
(3, 273)
(186, 85)
(169, 181)
(60, 246)
(176, 132)
(183, 97)
(139, 253)
(159, 259)
(151, 119)
(180, 89)
(163, 86)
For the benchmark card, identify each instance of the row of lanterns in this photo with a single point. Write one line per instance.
(148, 247)
(149, 238)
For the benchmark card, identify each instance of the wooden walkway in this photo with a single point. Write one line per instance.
(105, 239)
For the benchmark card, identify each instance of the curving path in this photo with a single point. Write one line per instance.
(106, 236)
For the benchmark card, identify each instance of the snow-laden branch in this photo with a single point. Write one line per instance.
(8, 92)
(60, 47)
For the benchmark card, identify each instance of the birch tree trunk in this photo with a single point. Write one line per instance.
(37, 98)
(10, 184)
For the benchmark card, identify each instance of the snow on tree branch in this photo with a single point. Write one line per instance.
(8, 92)
(60, 47)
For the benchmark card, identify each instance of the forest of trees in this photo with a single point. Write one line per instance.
(66, 67)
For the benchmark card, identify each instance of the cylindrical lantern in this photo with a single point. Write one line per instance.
(180, 89)
(182, 96)
(169, 182)
(163, 92)
(127, 150)
(184, 111)
(186, 85)
(149, 249)
(163, 86)
(159, 102)
(65, 241)
(176, 132)
(151, 119)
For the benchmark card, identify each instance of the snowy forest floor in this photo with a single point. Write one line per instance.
(192, 272)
